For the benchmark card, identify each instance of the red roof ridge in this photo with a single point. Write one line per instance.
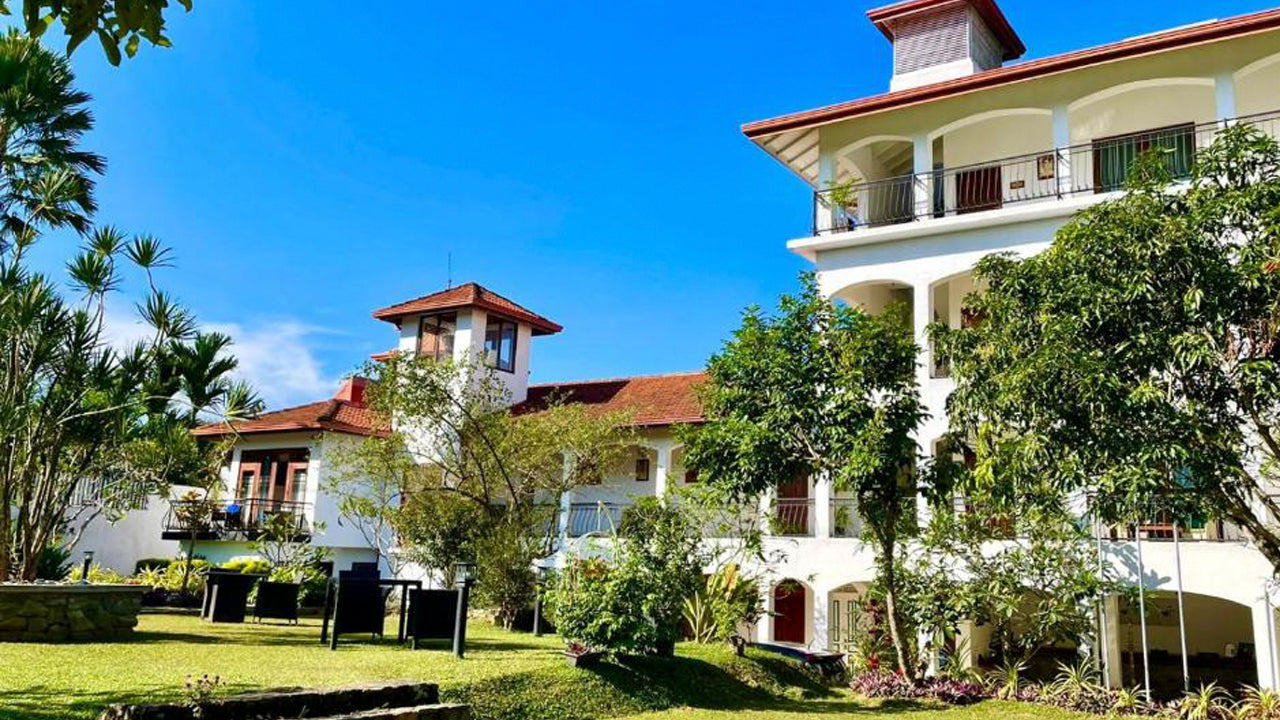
(597, 381)
(1160, 41)
(466, 295)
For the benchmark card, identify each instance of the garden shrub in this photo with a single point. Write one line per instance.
(727, 600)
(633, 603)
(878, 684)
(247, 564)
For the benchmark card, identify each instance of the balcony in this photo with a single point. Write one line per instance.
(1093, 168)
(792, 517)
(594, 519)
(845, 520)
(239, 519)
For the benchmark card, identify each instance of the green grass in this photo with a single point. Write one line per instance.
(506, 676)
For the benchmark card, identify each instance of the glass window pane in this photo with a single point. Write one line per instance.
(507, 354)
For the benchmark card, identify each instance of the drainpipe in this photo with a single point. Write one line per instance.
(1105, 661)
(1182, 618)
(1142, 613)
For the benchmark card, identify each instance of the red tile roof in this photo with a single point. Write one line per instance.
(883, 17)
(468, 295)
(344, 413)
(653, 401)
(1197, 34)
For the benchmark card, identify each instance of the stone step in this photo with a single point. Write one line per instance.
(421, 712)
(291, 703)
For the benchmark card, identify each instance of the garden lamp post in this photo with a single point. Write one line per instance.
(465, 576)
(540, 581)
(84, 570)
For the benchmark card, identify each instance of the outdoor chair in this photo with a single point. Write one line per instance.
(277, 601)
(432, 615)
(356, 603)
(226, 595)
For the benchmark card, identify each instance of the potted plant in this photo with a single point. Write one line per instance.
(581, 656)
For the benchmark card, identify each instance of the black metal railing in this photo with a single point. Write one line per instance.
(235, 519)
(792, 517)
(1099, 166)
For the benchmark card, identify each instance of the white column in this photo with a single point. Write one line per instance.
(922, 315)
(965, 650)
(566, 503)
(822, 508)
(821, 620)
(1062, 143)
(662, 472)
(1264, 640)
(1113, 665)
(922, 166)
(825, 213)
(1224, 96)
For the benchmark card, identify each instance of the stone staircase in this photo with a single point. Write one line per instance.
(384, 701)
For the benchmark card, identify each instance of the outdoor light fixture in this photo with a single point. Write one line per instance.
(465, 573)
(540, 581)
(84, 571)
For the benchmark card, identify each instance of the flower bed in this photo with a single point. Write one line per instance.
(59, 613)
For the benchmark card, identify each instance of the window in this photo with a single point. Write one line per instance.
(1113, 157)
(642, 469)
(500, 344)
(691, 476)
(435, 335)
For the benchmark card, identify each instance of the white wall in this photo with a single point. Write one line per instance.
(120, 545)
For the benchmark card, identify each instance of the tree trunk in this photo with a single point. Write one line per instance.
(186, 567)
(889, 570)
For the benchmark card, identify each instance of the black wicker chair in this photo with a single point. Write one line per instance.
(276, 601)
(432, 615)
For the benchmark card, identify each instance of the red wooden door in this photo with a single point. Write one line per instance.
(788, 604)
(979, 189)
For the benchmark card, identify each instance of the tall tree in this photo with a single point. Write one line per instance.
(76, 415)
(824, 391)
(453, 435)
(115, 23)
(1137, 359)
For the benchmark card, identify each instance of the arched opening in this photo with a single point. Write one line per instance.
(853, 622)
(948, 306)
(792, 606)
(876, 296)
(1111, 128)
(877, 173)
(984, 161)
(1219, 637)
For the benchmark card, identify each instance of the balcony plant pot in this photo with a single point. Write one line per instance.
(580, 656)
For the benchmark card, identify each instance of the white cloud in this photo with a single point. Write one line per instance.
(278, 359)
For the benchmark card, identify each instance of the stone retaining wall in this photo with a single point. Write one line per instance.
(61, 613)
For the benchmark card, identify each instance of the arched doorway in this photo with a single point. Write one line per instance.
(790, 607)
(1219, 638)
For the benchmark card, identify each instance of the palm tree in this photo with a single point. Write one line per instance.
(45, 177)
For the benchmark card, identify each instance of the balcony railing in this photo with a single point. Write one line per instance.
(845, 520)
(242, 518)
(792, 517)
(594, 518)
(1096, 167)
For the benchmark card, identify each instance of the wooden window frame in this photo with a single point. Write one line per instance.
(438, 320)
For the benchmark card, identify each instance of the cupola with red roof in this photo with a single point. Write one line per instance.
(936, 40)
(471, 322)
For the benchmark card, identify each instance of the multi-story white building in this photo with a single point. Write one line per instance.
(969, 154)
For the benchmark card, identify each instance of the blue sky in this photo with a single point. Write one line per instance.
(582, 158)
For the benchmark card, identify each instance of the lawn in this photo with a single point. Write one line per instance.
(506, 676)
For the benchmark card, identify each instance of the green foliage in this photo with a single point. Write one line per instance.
(726, 601)
(633, 603)
(1135, 358)
(818, 390)
(117, 25)
(79, 414)
(1034, 590)
(55, 561)
(1208, 702)
(509, 469)
(98, 575)
(247, 565)
(150, 563)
